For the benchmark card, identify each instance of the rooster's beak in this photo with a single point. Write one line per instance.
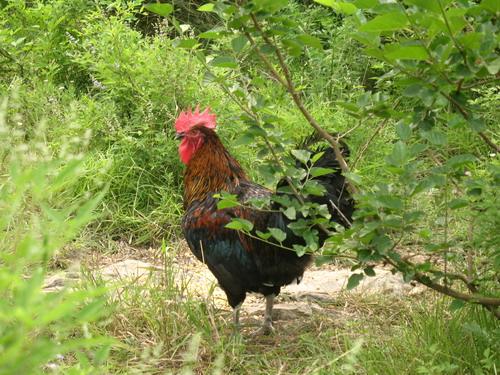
(179, 136)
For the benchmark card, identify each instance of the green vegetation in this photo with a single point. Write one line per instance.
(89, 91)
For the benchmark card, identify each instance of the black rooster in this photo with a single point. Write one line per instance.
(241, 263)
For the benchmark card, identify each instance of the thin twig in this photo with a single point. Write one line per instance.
(469, 255)
(455, 103)
(489, 142)
(481, 83)
(343, 135)
(277, 160)
(289, 86)
(368, 142)
(341, 213)
(458, 46)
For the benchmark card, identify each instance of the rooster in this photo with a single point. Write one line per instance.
(242, 263)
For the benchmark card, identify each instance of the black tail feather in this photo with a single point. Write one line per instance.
(337, 198)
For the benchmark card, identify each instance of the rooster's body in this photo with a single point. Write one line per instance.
(241, 263)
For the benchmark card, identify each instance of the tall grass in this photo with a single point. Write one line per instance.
(434, 340)
(40, 330)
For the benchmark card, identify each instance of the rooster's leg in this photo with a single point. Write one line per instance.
(267, 327)
(236, 316)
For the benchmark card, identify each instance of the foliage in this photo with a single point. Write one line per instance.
(36, 327)
(435, 55)
(84, 63)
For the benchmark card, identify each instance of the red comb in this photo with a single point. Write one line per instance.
(188, 119)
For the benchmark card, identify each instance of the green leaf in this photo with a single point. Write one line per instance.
(290, 213)
(239, 43)
(458, 203)
(456, 19)
(317, 156)
(294, 48)
(400, 52)
(366, 4)
(211, 34)
(491, 5)
(311, 237)
(268, 49)
(369, 271)
(314, 188)
(460, 160)
(413, 90)
(477, 124)
(386, 22)
(264, 236)
(382, 243)
(225, 203)
(339, 6)
(355, 178)
(302, 155)
(299, 249)
(209, 7)
(310, 40)
(435, 137)
(161, 9)
(319, 171)
(240, 224)
(244, 139)
(471, 40)
(278, 234)
(270, 6)
(224, 62)
(390, 201)
(185, 43)
(257, 131)
(399, 155)
(403, 131)
(354, 280)
(369, 39)
(494, 66)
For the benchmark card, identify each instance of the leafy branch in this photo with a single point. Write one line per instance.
(288, 84)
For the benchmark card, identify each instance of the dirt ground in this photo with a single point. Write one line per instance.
(320, 286)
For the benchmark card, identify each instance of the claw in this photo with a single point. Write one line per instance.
(265, 330)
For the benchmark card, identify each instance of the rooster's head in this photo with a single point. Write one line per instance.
(187, 127)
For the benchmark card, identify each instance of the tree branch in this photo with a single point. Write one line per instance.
(254, 116)
(287, 83)
(490, 303)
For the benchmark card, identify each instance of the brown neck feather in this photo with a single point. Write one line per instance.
(211, 170)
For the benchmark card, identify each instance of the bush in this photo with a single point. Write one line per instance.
(84, 65)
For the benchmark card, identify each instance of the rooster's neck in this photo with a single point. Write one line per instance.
(211, 170)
